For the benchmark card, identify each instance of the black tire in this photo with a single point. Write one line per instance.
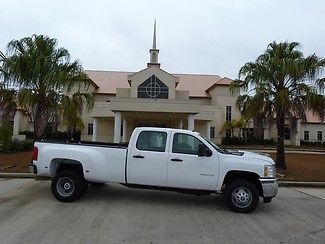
(97, 184)
(241, 196)
(68, 186)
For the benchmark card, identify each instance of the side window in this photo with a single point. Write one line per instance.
(152, 141)
(187, 144)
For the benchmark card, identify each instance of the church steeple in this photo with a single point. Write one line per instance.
(154, 51)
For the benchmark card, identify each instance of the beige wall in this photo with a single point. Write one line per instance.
(312, 128)
(182, 95)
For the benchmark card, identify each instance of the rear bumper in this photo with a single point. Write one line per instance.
(32, 169)
(269, 187)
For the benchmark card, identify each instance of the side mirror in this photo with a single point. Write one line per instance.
(204, 151)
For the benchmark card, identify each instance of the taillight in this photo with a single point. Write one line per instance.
(35, 153)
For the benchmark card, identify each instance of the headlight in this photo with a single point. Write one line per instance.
(269, 171)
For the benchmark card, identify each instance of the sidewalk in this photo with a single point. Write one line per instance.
(312, 191)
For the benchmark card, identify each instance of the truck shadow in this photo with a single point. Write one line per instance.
(115, 193)
(118, 194)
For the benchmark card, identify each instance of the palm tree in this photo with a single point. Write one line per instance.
(7, 99)
(255, 107)
(283, 85)
(233, 125)
(71, 109)
(41, 72)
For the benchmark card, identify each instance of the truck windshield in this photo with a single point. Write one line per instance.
(215, 146)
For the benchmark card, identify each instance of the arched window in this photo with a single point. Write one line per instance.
(153, 88)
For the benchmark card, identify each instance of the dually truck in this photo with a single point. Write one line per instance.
(158, 158)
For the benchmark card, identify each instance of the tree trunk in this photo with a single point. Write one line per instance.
(41, 118)
(280, 156)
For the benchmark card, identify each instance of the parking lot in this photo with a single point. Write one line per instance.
(115, 214)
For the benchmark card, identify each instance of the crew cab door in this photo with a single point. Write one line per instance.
(147, 161)
(186, 169)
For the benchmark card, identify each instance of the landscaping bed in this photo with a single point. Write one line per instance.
(15, 162)
(301, 167)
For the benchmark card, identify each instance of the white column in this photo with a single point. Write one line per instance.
(180, 124)
(125, 131)
(95, 125)
(17, 119)
(208, 125)
(295, 137)
(267, 132)
(190, 122)
(117, 127)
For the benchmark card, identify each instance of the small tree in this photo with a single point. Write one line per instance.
(71, 110)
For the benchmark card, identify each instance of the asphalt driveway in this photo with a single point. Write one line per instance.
(115, 214)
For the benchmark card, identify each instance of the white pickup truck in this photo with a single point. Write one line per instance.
(158, 158)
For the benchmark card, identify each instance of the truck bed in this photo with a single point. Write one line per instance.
(123, 145)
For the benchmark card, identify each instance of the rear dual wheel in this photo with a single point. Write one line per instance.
(68, 186)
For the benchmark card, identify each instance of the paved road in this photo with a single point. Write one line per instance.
(115, 214)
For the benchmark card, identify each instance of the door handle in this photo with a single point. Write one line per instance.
(138, 156)
(176, 160)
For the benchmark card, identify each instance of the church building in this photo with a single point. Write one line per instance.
(154, 97)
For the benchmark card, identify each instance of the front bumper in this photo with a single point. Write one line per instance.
(32, 169)
(269, 187)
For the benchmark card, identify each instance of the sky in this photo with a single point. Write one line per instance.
(201, 37)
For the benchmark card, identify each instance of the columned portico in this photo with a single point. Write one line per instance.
(117, 127)
(191, 122)
(95, 126)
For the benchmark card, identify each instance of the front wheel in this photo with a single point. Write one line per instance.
(68, 186)
(241, 196)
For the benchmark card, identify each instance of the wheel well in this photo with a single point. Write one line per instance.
(59, 164)
(249, 176)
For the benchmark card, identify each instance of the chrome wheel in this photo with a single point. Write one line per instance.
(241, 197)
(65, 186)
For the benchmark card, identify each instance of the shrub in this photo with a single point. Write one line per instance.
(27, 145)
(312, 143)
(57, 135)
(28, 134)
(246, 141)
(6, 138)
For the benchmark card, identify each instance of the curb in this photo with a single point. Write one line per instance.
(280, 183)
(23, 176)
(301, 184)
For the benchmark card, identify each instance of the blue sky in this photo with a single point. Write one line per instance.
(212, 37)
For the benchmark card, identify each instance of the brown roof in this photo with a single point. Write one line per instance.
(108, 81)
(225, 81)
(312, 118)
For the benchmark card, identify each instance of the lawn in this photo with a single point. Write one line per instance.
(301, 167)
